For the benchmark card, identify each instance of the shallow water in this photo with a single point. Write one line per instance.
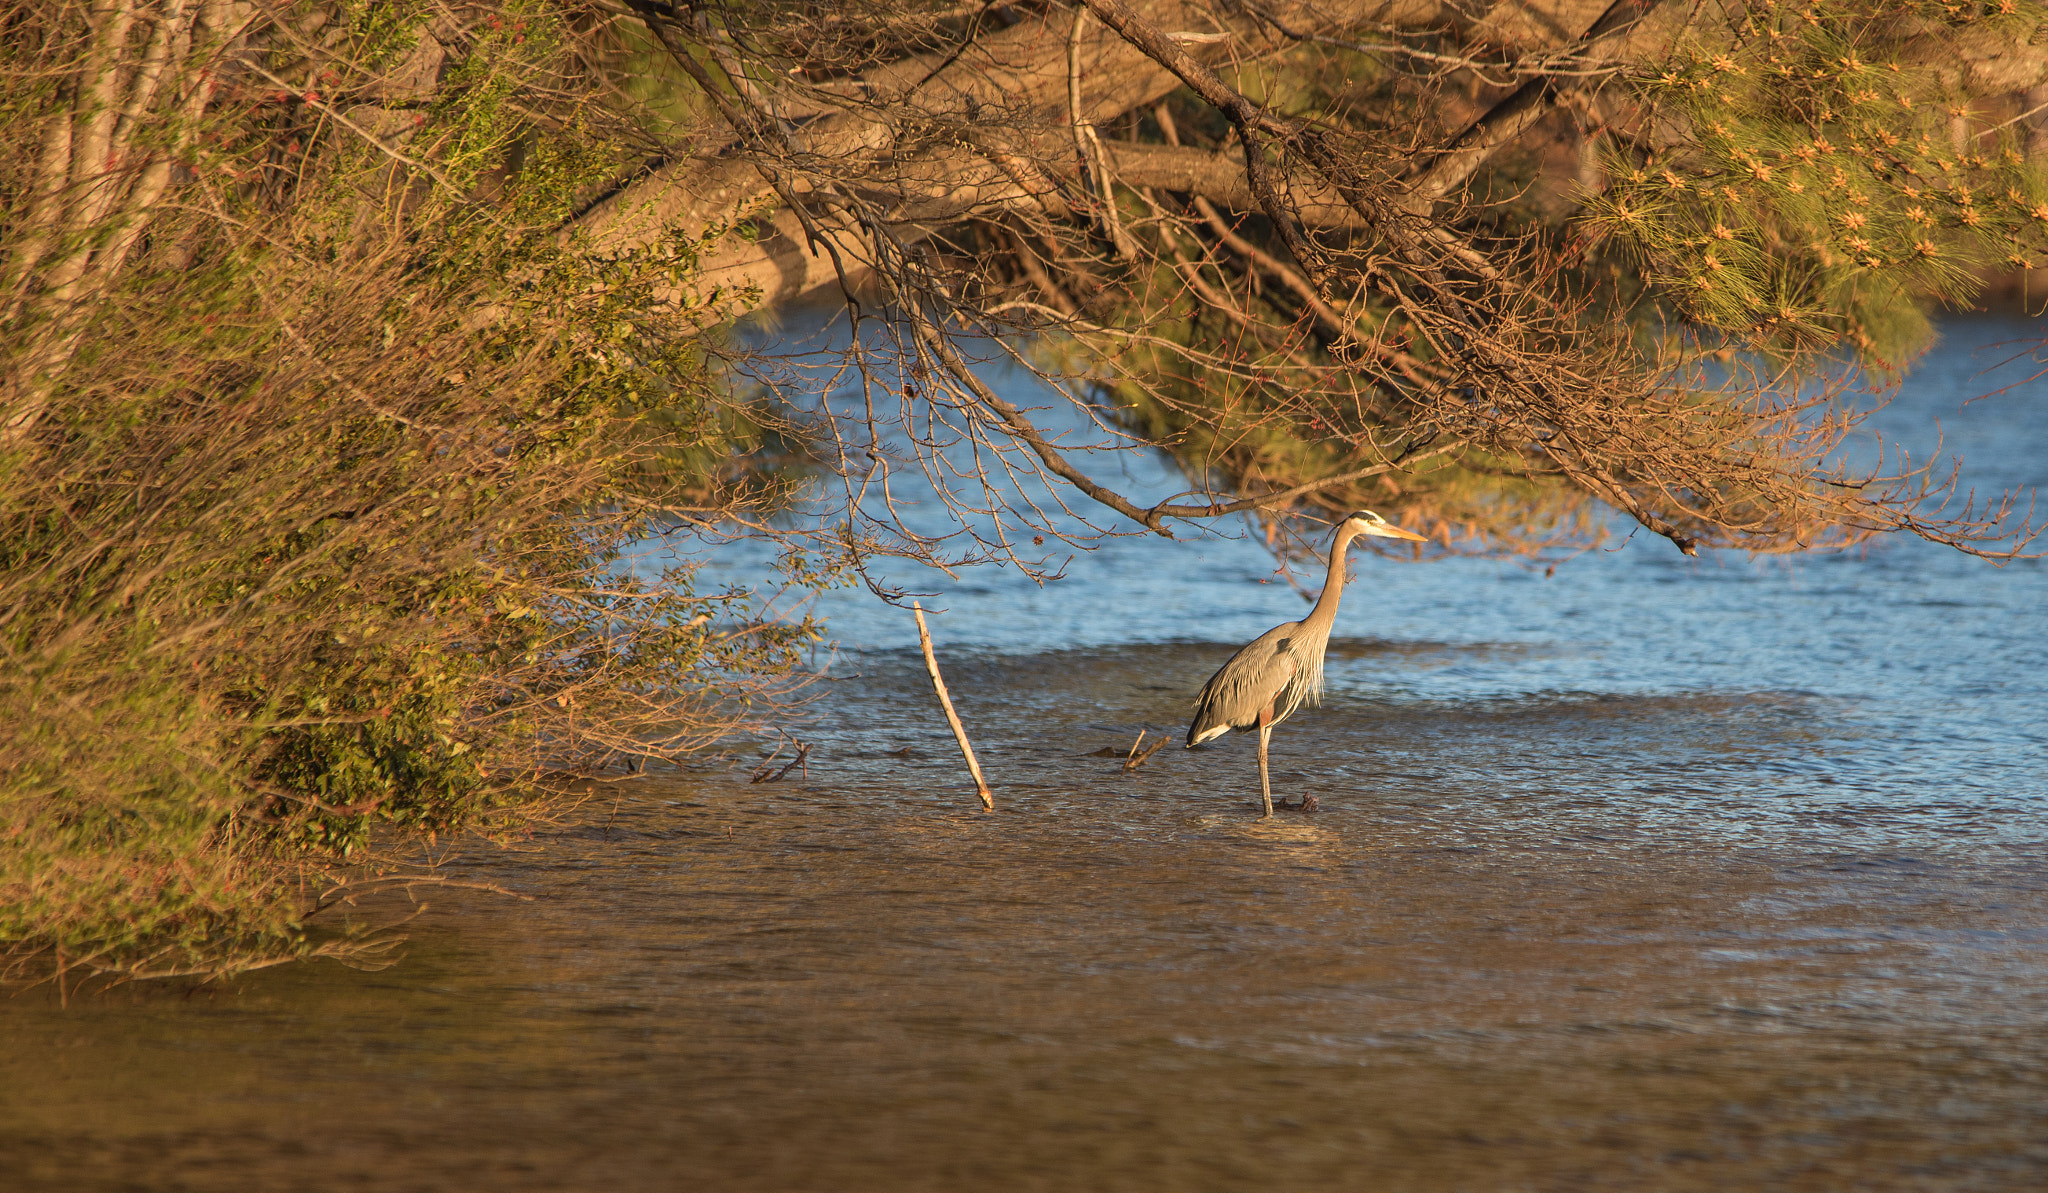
(1650, 873)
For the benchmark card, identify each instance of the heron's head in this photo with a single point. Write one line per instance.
(1367, 522)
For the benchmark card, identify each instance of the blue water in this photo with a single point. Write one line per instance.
(1900, 688)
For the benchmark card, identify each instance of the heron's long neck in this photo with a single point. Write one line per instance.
(1324, 615)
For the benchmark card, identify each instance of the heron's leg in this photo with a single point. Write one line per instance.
(1265, 779)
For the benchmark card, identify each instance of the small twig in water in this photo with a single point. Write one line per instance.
(761, 772)
(803, 753)
(931, 664)
(1136, 759)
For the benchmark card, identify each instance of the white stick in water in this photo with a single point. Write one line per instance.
(931, 664)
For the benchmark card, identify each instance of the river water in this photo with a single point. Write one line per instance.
(1650, 873)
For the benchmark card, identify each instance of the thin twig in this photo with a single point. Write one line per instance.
(1137, 760)
(931, 664)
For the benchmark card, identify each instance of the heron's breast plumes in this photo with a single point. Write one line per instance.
(1305, 686)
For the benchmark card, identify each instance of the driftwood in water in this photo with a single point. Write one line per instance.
(1136, 759)
(766, 772)
(931, 664)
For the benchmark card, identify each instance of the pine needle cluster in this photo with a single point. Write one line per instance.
(1811, 174)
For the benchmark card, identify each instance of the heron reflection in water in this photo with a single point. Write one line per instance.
(1266, 681)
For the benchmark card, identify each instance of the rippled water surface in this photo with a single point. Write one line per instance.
(1648, 874)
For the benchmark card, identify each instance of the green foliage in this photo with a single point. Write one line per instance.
(323, 544)
(1798, 182)
(1805, 179)
(1248, 403)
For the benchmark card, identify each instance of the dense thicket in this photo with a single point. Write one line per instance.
(301, 555)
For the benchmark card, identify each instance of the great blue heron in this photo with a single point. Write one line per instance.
(1266, 681)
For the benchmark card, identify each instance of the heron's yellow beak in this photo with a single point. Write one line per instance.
(1411, 536)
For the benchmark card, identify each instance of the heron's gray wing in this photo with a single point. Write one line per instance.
(1253, 678)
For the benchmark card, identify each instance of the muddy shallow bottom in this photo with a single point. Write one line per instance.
(1678, 971)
